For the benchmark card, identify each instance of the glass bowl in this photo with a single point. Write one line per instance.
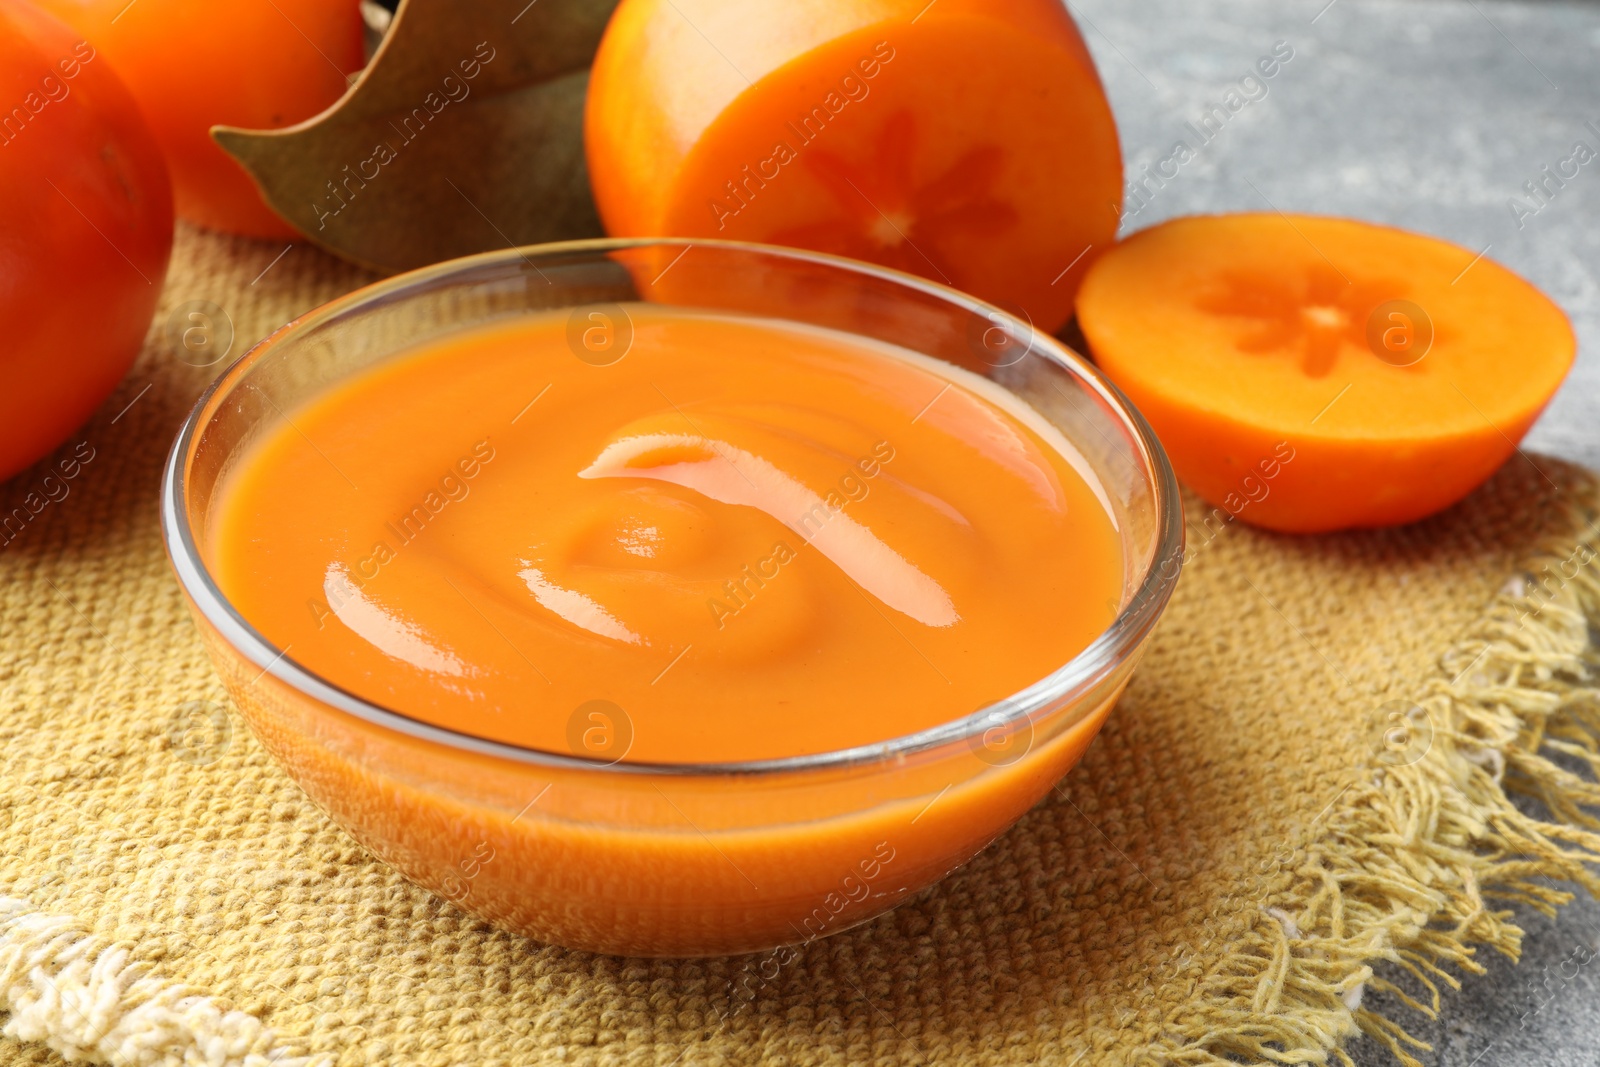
(670, 860)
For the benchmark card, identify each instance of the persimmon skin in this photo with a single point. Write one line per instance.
(86, 236)
(969, 142)
(1244, 339)
(256, 64)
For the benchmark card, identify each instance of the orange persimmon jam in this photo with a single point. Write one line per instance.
(738, 539)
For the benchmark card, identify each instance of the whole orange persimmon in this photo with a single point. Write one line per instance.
(85, 231)
(258, 64)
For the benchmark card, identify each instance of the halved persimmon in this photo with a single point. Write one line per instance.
(1310, 373)
(968, 141)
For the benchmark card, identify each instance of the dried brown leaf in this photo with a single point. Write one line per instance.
(464, 133)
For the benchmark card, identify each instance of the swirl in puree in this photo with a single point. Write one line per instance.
(747, 538)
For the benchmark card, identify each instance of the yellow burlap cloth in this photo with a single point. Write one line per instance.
(1307, 777)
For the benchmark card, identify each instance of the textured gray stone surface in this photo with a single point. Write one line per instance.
(1428, 114)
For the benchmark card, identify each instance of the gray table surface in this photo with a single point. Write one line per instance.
(1427, 114)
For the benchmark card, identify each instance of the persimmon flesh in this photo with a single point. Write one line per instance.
(85, 232)
(969, 142)
(257, 64)
(1395, 371)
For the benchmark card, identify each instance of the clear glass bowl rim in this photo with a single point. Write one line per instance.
(1075, 678)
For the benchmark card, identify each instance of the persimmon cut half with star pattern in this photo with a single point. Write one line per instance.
(1309, 373)
(969, 142)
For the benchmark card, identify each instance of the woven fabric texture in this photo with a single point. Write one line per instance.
(1308, 776)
